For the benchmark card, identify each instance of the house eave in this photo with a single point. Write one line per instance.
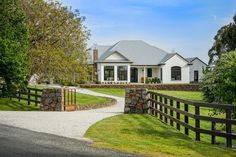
(113, 62)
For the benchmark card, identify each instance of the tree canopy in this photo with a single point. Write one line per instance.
(57, 41)
(225, 41)
(13, 46)
(219, 83)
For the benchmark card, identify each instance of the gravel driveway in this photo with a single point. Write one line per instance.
(66, 124)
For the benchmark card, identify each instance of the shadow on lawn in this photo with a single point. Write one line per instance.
(14, 105)
(152, 129)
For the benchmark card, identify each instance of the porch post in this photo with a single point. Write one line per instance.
(115, 73)
(102, 73)
(128, 73)
(144, 74)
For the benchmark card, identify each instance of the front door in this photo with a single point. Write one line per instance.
(134, 75)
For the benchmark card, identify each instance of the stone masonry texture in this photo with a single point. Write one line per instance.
(52, 99)
(174, 87)
(136, 100)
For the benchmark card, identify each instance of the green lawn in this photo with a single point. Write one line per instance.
(195, 96)
(145, 134)
(81, 99)
(14, 105)
(110, 91)
(188, 95)
(84, 99)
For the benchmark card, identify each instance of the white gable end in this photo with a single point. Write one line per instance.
(176, 60)
(115, 57)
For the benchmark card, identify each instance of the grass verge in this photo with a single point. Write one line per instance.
(145, 134)
(81, 99)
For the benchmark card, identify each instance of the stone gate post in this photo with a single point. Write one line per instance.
(136, 100)
(52, 99)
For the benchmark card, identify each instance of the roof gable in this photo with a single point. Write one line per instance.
(116, 56)
(195, 58)
(137, 51)
(169, 56)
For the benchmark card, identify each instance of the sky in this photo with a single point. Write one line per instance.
(184, 26)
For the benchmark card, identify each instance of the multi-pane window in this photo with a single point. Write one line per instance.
(175, 73)
(122, 73)
(149, 72)
(196, 75)
(109, 73)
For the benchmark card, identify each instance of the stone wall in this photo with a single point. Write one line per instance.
(176, 87)
(52, 99)
(135, 100)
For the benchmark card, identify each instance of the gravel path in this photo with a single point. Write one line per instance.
(66, 124)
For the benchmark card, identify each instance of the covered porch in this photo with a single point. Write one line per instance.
(145, 74)
(125, 73)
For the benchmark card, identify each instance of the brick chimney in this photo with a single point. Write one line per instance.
(95, 54)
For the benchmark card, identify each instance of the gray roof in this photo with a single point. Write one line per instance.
(190, 59)
(136, 51)
(167, 57)
(193, 58)
(101, 49)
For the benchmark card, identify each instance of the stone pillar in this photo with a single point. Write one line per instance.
(52, 99)
(136, 100)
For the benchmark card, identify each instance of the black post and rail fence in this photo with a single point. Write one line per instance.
(30, 95)
(172, 110)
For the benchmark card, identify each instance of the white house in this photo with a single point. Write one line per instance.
(134, 61)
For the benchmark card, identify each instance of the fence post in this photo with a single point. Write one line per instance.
(213, 128)
(68, 96)
(197, 123)
(178, 115)
(156, 105)
(75, 96)
(64, 95)
(161, 118)
(171, 112)
(71, 96)
(19, 92)
(153, 105)
(228, 128)
(165, 110)
(186, 119)
(28, 96)
(36, 97)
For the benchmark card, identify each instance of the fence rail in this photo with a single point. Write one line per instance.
(31, 95)
(164, 107)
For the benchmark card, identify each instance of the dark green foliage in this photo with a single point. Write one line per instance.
(153, 80)
(225, 41)
(219, 83)
(13, 46)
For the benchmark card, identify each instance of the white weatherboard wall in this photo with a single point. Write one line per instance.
(199, 66)
(176, 61)
(115, 57)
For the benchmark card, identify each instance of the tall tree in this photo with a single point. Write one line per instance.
(13, 45)
(57, 40)
(219, 83)
(225, 41)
